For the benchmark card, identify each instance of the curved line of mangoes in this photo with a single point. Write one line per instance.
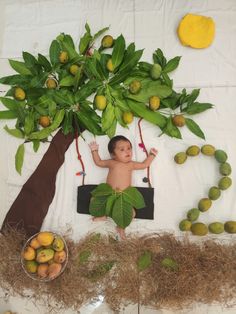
(190, 224)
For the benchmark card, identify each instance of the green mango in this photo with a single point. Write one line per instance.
(216, 227)
(225, 169)
(155, 71)
(225, 183)
(180, 157)
(199, 229)
(208, 150)
(193, 150)
(214, 193)
(220, 156)
(230, 226)
(204, 204)
(193, 214)
(185, 225)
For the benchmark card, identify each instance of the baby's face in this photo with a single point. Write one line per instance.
(123, 151)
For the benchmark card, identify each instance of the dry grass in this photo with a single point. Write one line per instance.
(100, 265)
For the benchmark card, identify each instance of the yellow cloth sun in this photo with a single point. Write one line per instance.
(196, 31)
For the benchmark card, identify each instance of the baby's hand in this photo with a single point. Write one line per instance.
(93, 146)
(153, 151)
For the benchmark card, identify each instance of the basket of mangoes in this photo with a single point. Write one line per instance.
(44, 256)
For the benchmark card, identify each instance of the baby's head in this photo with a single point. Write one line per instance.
(120, 148)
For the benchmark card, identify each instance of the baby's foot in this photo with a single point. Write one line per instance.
(102, 218)
(121, 233)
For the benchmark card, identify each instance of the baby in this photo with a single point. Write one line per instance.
(120, 167)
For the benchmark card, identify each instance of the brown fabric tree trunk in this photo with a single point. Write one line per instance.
(31, 205)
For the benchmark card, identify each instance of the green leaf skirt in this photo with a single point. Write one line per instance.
(118, 205)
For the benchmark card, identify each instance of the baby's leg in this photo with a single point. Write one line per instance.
(102, 218)
(121, 232)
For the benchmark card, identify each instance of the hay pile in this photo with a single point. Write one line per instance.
(100, 265)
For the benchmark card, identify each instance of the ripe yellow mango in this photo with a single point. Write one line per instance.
(45, 238)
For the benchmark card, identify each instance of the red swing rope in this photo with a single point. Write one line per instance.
(79, 158)
(144, 149)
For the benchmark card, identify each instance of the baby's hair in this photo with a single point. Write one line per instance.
(114, 140)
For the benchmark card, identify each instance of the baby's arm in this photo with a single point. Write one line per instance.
(147, 162)
(96, 158)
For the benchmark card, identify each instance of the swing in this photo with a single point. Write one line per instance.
(84, 196)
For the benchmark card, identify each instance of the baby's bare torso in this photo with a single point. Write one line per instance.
(120, 175)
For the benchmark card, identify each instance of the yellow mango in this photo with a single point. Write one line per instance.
(45, 238)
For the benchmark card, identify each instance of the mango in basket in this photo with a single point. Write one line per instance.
(45, 238)
(45, 255)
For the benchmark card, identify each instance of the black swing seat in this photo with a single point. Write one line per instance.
(84, 195)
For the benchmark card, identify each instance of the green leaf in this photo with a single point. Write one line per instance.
(44, 62)
(171, 64)
(20, 67)
(19, 158)
(159, 58)
(194, 128)
(171, 129)
(8, 114)
(31, 63)
(39, 80)
(68, 80)
(100, 271)
(36, 144)
(108, 115)
(63, 97)
(15, 79)
(15, 132)
(84, 256)
(167, 80)
(119, 114)
(132, 196)
(109, 204)
(122, 212)
(91, 67)
(85, 40)
(128, 64)
(102, 189)
(89, 124)
(85, 108)
(191, 97)
(144, 260)
(68, 45)
(118, 51)
(143, 111)
(9, 103)
(145, 66)
(67, 126)
(54, 52)
(29, 123)
(99, 33)
(87, 89)
(150, 88)
(169, 263)
(197, 107)
(97, 206)
(131, 60)
(112, 129)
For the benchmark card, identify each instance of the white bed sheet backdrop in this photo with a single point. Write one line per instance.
(31, 26)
